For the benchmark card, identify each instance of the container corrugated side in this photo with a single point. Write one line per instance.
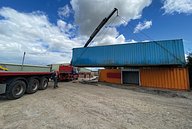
(167, 52)
(166, 78)
(104, 76)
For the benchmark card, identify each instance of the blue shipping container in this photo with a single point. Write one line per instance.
(167, 52)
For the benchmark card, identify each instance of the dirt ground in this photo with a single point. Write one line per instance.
(83, 106)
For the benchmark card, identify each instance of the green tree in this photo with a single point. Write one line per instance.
(189, 64)
(189, 60)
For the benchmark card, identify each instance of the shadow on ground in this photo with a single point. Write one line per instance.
(155, 91)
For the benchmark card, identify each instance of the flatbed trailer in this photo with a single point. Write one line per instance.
(14, 85)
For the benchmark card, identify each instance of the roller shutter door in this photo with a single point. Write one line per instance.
(130, 77)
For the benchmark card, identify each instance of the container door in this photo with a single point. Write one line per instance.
(130, 77)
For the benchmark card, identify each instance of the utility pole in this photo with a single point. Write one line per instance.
(23, 61)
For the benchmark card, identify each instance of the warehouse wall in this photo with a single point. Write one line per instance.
(168, 78)
(110, 76)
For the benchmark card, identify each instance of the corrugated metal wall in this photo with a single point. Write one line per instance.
(167, 52)
(17, 67)
(167, 78)
(110, 76)
(154, 77)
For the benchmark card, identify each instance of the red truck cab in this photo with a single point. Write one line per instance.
(67, 73)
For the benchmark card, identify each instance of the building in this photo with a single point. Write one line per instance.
(84, 73)
(156, 77)
(158, 64)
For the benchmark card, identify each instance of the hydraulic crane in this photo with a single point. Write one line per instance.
(103, 22)
(99, 27)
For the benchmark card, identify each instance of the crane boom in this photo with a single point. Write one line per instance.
(103, 22)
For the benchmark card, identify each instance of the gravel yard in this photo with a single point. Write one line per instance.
(85, 106)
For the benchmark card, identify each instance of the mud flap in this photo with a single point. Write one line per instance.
(2, 88)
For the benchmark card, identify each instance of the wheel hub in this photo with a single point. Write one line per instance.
(18, 90)
(45, 84)
(35, 85)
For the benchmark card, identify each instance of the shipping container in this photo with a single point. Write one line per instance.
(167, 52)
(27, 68)
(166, 78)
(110, 76)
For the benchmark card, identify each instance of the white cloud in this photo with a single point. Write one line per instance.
(47, 43)
(67, 28)
(131, 41)
(33, 33)
(136, 41)
(64, 11)
(142, 26)
(177, 6)
(88, 14)
(108, 36)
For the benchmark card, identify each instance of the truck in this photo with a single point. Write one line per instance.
(14, 85)
(67, 73)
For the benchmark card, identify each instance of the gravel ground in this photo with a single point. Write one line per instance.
(84, 106)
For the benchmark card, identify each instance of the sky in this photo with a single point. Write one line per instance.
(48, 30)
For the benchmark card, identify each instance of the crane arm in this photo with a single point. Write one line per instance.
(103, 22)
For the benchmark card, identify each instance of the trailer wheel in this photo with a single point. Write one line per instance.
(16, 89)
(33, 85)
(43, 83)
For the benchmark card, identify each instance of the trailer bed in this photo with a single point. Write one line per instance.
(22, 73)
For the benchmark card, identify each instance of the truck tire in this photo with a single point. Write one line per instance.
(33, 85)
(43, 83)
(15, 89)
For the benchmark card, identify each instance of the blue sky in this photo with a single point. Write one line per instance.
(48, 29)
